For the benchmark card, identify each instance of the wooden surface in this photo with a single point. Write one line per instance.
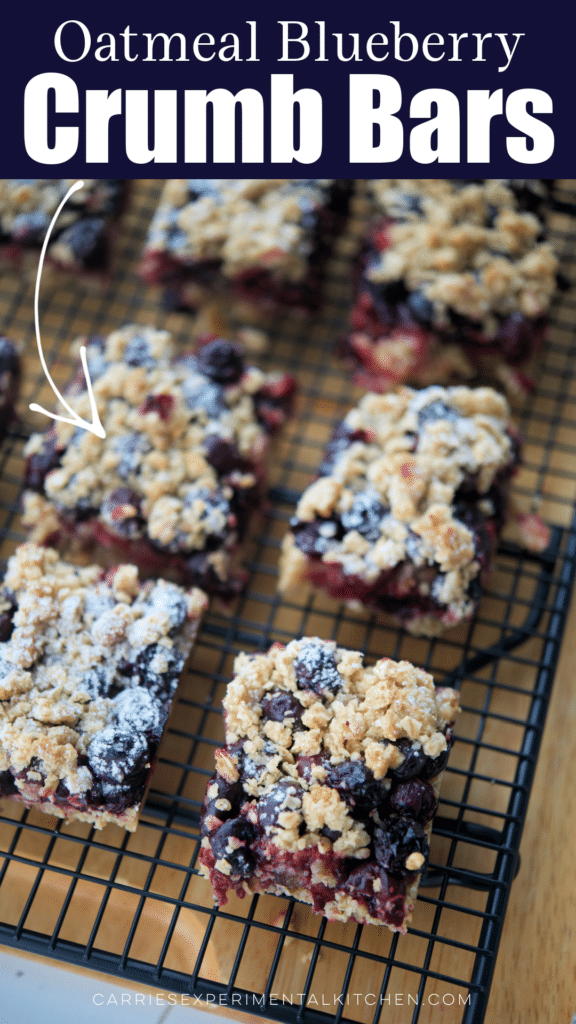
(534, 979)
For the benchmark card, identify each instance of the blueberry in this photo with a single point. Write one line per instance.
(360, 881)
(7, 784)
(169, 599)
(97, 681)
(395, 840)
(285, 795)
(341, 439)
(116, 757)
(136, 708)
(203, 395)
(316, 669)
(235, 828)
(437, 410)
(87, 241)
(421, 308)
(279, 705)
(230, 791)
(39, 464)
(356, 785)
(405, 204)
(6, 623)
(221, 361)
(330, 833)
(9, 358)
(365, 515)
(121, 511)
(198, 187)
(6, 627)
(131, 447)
(434, 765)
(137, 353)
(314, 538)
(414, 761)
(222, 454)
(242, 863)
(415, 799)
(305, 764)
(515, 337)
(159, 684)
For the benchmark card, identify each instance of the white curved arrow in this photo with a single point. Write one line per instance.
(95, 427)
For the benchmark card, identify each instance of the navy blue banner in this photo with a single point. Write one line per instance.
(260, 89)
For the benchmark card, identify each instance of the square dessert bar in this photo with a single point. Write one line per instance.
(173, 485)
(408, 505)
(10, 376)
(455, 281)
(328, 783)
(89, 665)
(81, 238)
(269, 239)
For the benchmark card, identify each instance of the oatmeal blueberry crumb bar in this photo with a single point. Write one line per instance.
(328, 783)
(173, 485)
(81, 238)
(408, 505)
(10, 375)
(456, 280)
(89, 665)
(268, 238)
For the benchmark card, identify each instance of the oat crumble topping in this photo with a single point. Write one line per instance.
(87, 676)
(27, 206)
(391, 493)
(239, 222)
(466, 248)
(355, 713)
(185, 440)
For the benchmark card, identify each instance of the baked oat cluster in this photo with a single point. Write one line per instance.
(89, 665)
(451, 263)
(328, 783)
(175, 480)
(80, 237)
(267, 235)
(408, 505)
(464, 249)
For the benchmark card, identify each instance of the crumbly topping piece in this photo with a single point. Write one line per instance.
(28, 205)
(317, 701)
(184, 437)
(466, 247)
(88, 671)
(392, 480)
(240, 222)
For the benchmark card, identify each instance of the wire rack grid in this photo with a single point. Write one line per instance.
(134, 906)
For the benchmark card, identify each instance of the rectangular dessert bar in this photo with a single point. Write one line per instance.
(10, 376)
(328, 783)
(408, 505)
(81, 238)
(173, 484)
(89, 666)
(265, 239)
(454, 283)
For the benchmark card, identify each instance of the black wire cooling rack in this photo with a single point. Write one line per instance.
(133, 906)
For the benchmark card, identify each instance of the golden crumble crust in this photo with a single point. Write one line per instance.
(408, 455)
(240, 222)
(466, 248)
(359, 715)
(71, 624)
